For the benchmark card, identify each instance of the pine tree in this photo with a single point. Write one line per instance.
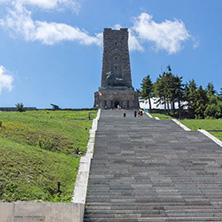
(147, 90)
(169, 89)
(159, 91)
(190, 95)
(210, 89)
(178, 93)
(201, 101)
(219, 95)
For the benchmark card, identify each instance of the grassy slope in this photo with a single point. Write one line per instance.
(34, 148)
(161, 116)
(207, 124)
(195, 124)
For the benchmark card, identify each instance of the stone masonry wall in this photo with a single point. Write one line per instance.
(116, 83)
(126, 99)
(41, 212)
(116, 55)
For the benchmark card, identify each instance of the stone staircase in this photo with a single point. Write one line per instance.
(149, 170)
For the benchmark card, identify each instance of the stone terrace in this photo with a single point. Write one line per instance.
(149, 170)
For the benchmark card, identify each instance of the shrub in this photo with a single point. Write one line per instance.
(213, 110)
(20, 107)
(45, 144)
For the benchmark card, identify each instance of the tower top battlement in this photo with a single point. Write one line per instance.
(121, 29)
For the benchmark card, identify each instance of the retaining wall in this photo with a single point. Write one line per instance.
(41, 212)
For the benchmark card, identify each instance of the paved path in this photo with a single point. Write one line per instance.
(149, 170)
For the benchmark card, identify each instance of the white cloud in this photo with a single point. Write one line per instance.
(167, 35)
(4, 1)
(19, 21)
(51, 4)
(117, 27)
(196, 42)
(133, 41)
(51, 33)
(5, 80)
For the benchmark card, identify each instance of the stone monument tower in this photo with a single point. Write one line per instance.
(116, 84)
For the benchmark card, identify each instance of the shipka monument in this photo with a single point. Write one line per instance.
(116, 84)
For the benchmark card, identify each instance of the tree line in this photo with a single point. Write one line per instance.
(192, 101)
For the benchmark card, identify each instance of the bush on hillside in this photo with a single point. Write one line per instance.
(20, 107)
(213, 110)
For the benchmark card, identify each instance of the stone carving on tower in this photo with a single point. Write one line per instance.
(116, 84)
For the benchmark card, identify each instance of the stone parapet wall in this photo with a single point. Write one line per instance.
(15, 109)
(110, 98)
(41, 212)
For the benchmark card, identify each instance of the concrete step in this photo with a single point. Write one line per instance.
(137, 215)
(154, 219)
(154, 205)
(155, 210)
(146, 208)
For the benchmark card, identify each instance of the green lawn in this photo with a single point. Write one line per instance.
(35, 149)
(207, 124)
(195, 124)
(161, 116)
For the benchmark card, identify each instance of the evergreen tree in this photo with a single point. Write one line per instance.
(210, 89)
(190, 94)
(147, 90)
(177, 93)
(201, 101)
(159, 91)
(219, 95)
(169, 89)
(214, 106)
(138, 93)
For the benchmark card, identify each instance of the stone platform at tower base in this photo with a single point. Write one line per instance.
(111, 98)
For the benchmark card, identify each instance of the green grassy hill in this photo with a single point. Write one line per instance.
(36, 150)
(207, 124)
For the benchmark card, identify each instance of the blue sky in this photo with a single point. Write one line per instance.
(51, 50)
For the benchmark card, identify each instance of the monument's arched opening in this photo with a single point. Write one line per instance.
(117, 103)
